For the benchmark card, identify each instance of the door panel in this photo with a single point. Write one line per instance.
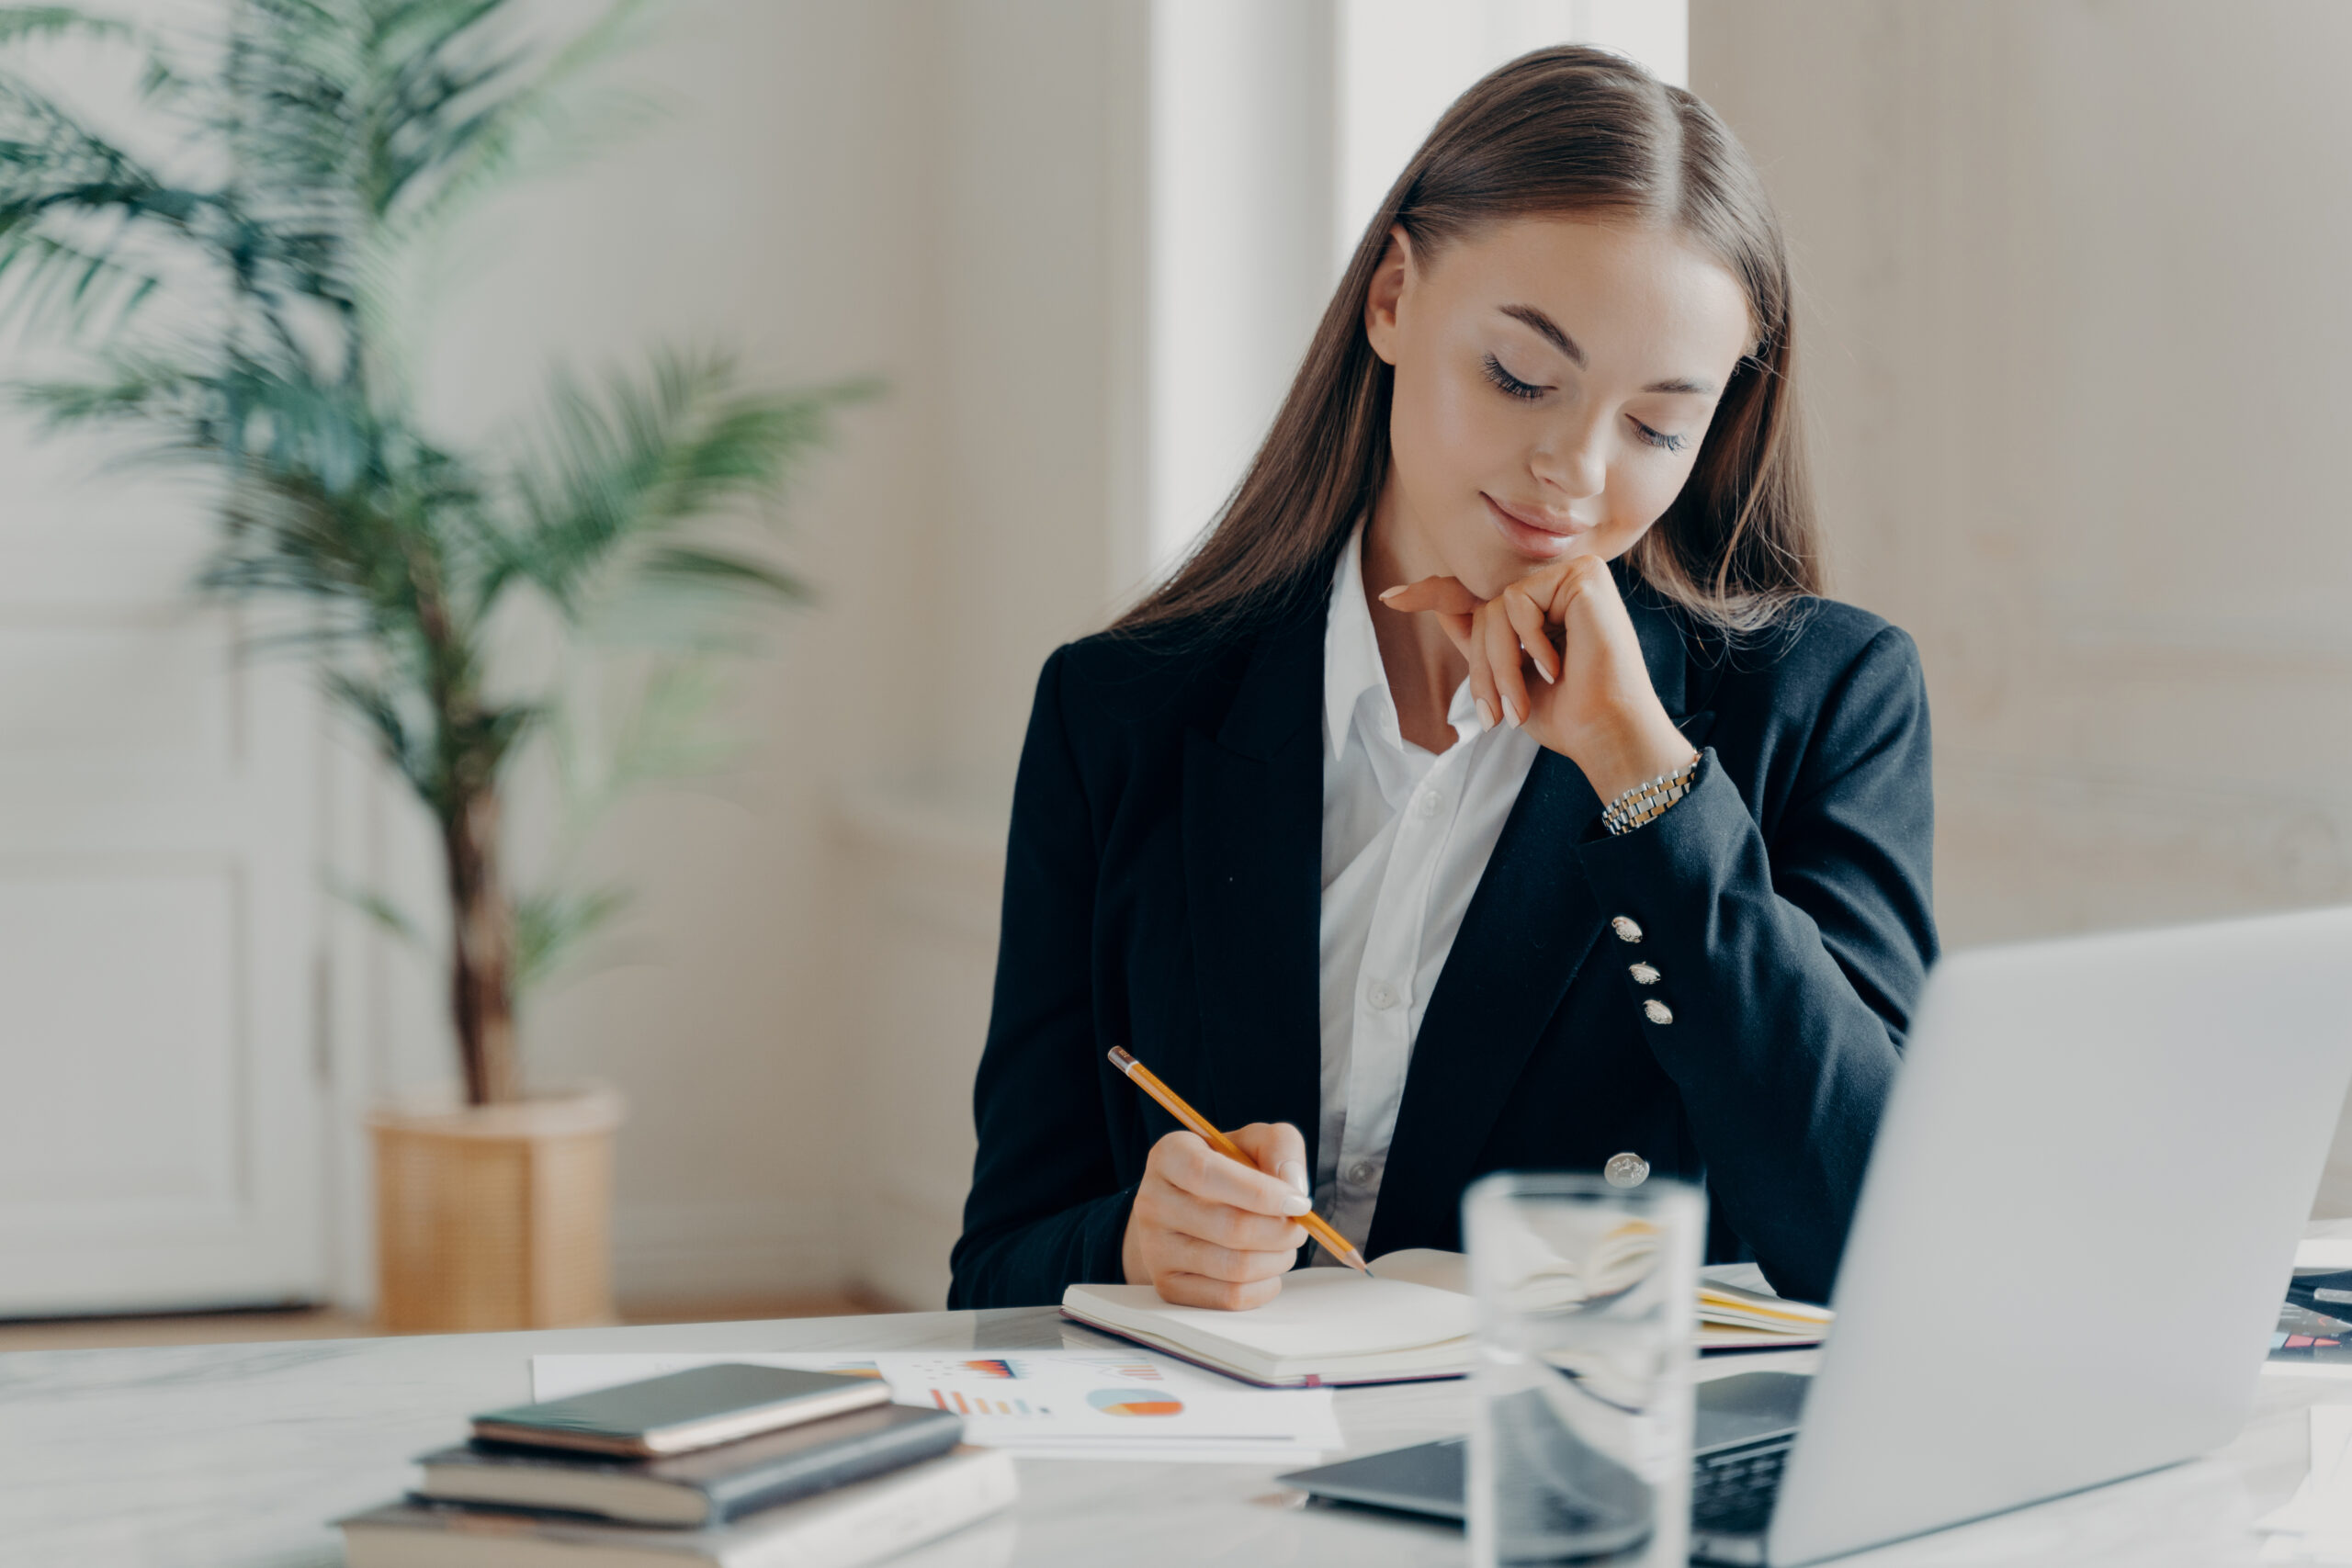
(159, 1105)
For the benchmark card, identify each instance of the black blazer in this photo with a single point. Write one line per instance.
(1163, 890)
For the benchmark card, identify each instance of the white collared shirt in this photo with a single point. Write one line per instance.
(1407, 834)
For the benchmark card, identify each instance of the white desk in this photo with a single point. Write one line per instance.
(234, 1456)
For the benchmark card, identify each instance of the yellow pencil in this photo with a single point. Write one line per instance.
(1144, 1079)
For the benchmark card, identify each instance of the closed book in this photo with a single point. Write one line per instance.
(698, 1408)
(846, 1528)
(706, 1487)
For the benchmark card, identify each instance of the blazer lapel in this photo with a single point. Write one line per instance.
(1526, 934)
(1253, 854)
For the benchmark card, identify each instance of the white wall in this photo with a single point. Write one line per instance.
(2076, 369)
(930, 190)
(1243, 128)
(2074, 280)
(1402, 62)
(787, 209)
(1036, 515)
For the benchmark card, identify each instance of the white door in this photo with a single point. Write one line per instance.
(159, 1104)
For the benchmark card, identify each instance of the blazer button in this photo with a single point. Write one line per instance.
(1643, 974)
(1627, 1169)
(1626, 930)
(1656, 1011)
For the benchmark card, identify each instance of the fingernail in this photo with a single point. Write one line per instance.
(1548, 677)
(1486, 713)
(1290, 1171)
(1391, 592)
(1510, 712)
(1297, 1203)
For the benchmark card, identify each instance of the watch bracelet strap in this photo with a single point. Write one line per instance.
(1645, 803)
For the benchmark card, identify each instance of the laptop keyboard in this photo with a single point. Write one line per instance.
(1732, 1489)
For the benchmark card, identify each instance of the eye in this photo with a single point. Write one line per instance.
(1511, 385)
(1658, 438)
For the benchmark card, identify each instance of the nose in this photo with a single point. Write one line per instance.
(1573, 464)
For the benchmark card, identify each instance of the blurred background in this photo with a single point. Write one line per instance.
(2075, 310)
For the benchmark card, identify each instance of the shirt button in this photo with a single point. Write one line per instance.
(1626, 928)
(1382, 994)
(1430, 804)
(1643, 974)
(1361, 1172)
(1658, 1011)
(1628, 1170)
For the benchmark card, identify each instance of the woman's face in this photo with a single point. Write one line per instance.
(1554, 380)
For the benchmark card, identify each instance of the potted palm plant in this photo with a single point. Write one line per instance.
(238, 306)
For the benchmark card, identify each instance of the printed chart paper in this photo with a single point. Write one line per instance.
(1039, 1404)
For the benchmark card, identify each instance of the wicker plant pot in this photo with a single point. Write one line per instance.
(492, 1217)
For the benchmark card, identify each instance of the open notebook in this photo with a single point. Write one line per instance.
(1410, 1318)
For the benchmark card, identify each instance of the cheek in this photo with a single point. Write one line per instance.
(1447, 435)
(1639, 493)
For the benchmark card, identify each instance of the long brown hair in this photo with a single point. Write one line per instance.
(1559, 131)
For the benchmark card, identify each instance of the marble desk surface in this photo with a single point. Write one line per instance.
(235, 1456)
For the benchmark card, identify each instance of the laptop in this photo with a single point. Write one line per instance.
(2078, 1222)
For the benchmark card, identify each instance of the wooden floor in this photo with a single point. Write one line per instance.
(326, 1323)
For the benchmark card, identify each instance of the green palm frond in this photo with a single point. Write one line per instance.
(20, 23)
(622, 466)
(665, 730)
(465, 136)
(378, 711)
(549, 928)
(47, 277)
(650, 723)
(70, 201)
(389, 916)
(136, 390)
(694, 566)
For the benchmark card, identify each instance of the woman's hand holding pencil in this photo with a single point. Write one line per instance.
(1219, 1217)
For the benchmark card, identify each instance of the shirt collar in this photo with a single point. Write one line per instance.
(1351, 651)
(1352, 663)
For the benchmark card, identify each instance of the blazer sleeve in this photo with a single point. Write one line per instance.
(1045, 1208)
(1790, 969)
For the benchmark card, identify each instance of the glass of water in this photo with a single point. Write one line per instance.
(1581, 1450)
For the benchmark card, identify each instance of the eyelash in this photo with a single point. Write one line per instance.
(1512, 386)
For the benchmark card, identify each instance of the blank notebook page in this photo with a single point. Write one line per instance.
(1321, 1312)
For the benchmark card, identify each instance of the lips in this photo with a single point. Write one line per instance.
(1531, 532)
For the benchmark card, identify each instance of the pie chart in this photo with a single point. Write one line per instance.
(1135, 1402)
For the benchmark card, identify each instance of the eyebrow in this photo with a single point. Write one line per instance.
(1549, 330)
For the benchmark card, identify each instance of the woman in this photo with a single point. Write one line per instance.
(1491, 790)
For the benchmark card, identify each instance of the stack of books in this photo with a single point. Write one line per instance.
(737, 1466)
